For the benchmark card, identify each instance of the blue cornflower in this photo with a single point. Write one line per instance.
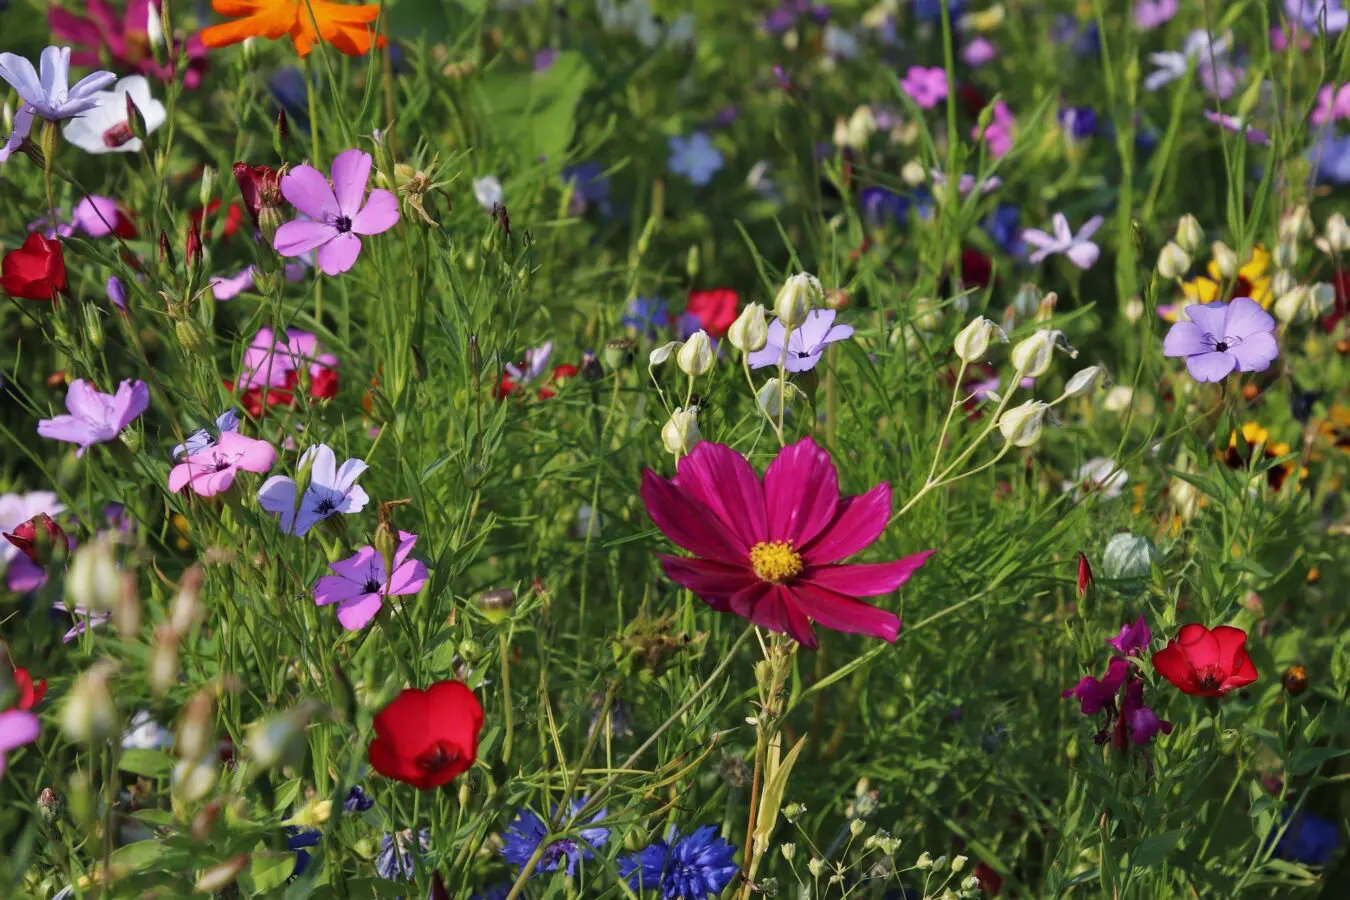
(882, 206)
(931, 10)
(394, 862)
(590, 188)
(526, 833)
(1004, 226)
(1310, 839)
(693, 867)
(1079, 122)
(299, 841)
(647, 315)
(357, 801)
(288, 89)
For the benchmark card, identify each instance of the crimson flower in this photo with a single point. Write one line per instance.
(714, 309)
(1084, 575)
(35, 271)
(30, 692)
(260, 186)
(1206, 663)
(204, 217)
(769, 550)
(427, 738)
(34, 545)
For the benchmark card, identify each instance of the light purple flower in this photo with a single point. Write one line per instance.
(331, 490)
(336, 214)
(96, 216)
(227, 287)
(1220, 337)
(48, 96)
(1149, 14)
(1333, 104)
(1077, 247)
(270, 361)
(979, 52)
(927, 86)
(1133, 639)
(1237, 125)
(1206, 52)
(84, 619)
(805, 345)
(535, 365)
(96, 417)
(966, 183)
(362, 582)
(117, 292)
(202, 440)
(694, 157)
(17, 727)
(1314, 15)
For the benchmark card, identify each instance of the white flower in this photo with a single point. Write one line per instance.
(659, 355)
(680, 434)
(488, 192)
(1172, 64)
(1118, 399)
(1189, 233)
(1032, 355)
(1337, 233)
(1098, 476)
(1224, 257)
(695, 357)
(973, 341)
(1021, 425)
(1084, 381)
(105, 128)
(1173, 261)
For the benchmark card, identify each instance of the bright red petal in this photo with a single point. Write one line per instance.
(1170, 663)
(457, 716)
(1199, 645)
(1232, 647)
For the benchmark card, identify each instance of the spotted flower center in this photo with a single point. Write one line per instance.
(775, 561)
(117, 135)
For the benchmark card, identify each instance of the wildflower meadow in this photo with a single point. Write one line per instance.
(683, 449)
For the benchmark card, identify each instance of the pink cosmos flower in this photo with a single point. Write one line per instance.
(17, 727)
(769, 549)
(1333, 103)
(362, 582)
(927, 86)
(213, 470)
(334, 216)
(96, 417)
(998, 136)
(127, 41)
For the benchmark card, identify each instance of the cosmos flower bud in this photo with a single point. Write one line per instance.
(958, 863)
(1173, 262)
(796, 298)
(89, 714)
(1224, 258)
(135, 120)
(750, 331)
(1084, 381)
(1323, 296)
(126, 610)
(1021, 425)
(973, 341)
(194, 245)
(1190, 236)
(695, 357)
(207, 183)
(166, 257)
(1283, 282)
(925, 861)
(619, 352)
(1134, 309)
(1295, 224)
(1286, 253)
(816, 866)
(1032, 354)
(788, 850)
(680, 434)
(777, 394)
(154, 27)
(1337, 233)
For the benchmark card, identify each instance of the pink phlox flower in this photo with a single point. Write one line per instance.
(96, 417)
(927, 86)
(1080, 250)
(17, 728)
(332, 490)
(361, 582)
(998, 134)
(1333, 104)
(214, 470)
(335, 215)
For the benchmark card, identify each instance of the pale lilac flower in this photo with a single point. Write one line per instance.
(1080, 250)
(331, 490)
(144, 733)
(361, 582)
(1220, 337)
(694, 157)
(1333, 104)
(1100, 476)
(1315, 15)
(998, 135)
(227, 287)
(272, 362)
(336, 214)
(84, 619)
(1237, 125)
(17, 727)
(805, 346)
(202, 440)
(97, 216)
(535, 365)
(1149, 14)
(926, 86)
(117, 292)
(106, 128)
(966, 183)
(979, 52)
(488, 192)
(213, 470)
(1133, 639)
(96, 417)
(1206, 52)
(48, 96)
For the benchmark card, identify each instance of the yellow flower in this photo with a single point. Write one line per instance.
(1257, 439)
(1252, 281)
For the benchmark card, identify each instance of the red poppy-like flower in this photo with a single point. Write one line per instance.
(427, 738)
(323, 385)
(770, 550)
(205, 218)
(1205, 663)
(34, 544)
(714, 309)
(35, 271)
(559, 377)
(30, 693)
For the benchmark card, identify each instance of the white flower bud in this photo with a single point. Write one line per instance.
(208, 179)
(1173, 261)
(1224, 259)
(796, 297)
(816, 866)
(1323, 297)
(695, 356)
(958, 863)
(1295, 224)
(1337, 233)
(970, 882)
(913, 173)
(187, 605)
(1118, 399)
(89, 714)
(277, 738)
(1084, 381)
(789, 851)
(1032, 354)
(1134, 308)
(940, 863)
(193, 779)
(973, 340)
(1021, 425)
(1189, 233)
(680, 434)
(925, 861)
(857, 827)
(162, 672)
(776, 393)
(1286, 254)
(750, 331)
(659, 355)
(92, 580)
(154, 26)
(1283, 282)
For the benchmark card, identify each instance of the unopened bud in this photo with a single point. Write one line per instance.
(204, 823)
(187, 607)
(221, 875)
(92, 579)
(798, 295)
(925, 861)
(776, 395)
(475, 354)
(1134, 309)
(190, 336)
(695, 357)
(1026, 301)
(207, 183)
(1173, 262)
(1295, 224)
(680, 434)
(816, 866)
(278, 738)
(1286, 254)
(1032, 355)
(619, 353)
(127, 606)
(857, 827)
(691, 262)
(166, 257)
(1225, 260)
(89, 714)
(660, 354)
(1189, 233)
(958, 863)
(1021, 425)
(913, 173)
(281, 134)
(973, 341)
(1084, 381)
(193, 780)
(1337, 233)
(196, 730)
(750, 331)
(1283, 282)
(162, 673)
(135, 120)
(497, 605)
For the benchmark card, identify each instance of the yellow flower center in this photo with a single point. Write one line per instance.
(775, 561)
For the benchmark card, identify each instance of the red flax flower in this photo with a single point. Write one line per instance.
(715, 309)
(1205, 663)
(35, 271)
(769, 550)
(427, 738)
(30, 692)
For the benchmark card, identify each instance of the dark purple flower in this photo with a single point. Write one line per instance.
(1134, 639)
(1095, 694)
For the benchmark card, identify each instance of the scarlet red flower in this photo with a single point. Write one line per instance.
(1084, 574)
(205, 218)
(35, 271)
(561, 373)
(1205, 663)
(323, 385)
(34, 544)
(260, 187)
(427, 738)
(714, 309)
(30, 694)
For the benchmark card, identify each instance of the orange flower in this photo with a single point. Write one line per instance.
(347, 28)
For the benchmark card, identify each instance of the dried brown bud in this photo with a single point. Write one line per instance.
(1295, 680)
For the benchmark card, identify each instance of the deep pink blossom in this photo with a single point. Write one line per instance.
(927, 86)
(770, 549)
(1133, 639)
(334, 216)
(1095, 694)
(998, 135)
(270, 360)
(213, 470)
(17, 727)
(1333, 104)
(127, 41)
(362, 582)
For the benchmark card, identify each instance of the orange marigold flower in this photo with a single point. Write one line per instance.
(348, 28)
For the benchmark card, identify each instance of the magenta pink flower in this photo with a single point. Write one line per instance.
(979, 52)
(998, 135)
(214, 469)
(927, 86)
(273, 362)
(362, 582)
(1333, 104)
(127, 41)
(769, 550)
(336, 215)
(17, 727)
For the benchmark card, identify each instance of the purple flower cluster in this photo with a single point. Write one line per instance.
(1120, 693)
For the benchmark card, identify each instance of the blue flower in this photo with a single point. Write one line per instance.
(357, 801)
(590, 188)
(1310, 839)
(202, 439)
(1079, 122)
(695, 158)
(692, 867)
(496, 892)
(394, 862)
(931, 10)
(299, 841)
(528, 831)
(288, 89)
(1331, 155)
(882, 206)
(647, 315)
(1004, 226)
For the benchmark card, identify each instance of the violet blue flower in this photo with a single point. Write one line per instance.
(926, 86)
(1331, 156)
(202, 440)
(213, 470)
(1003, 225)
(1079, 122)
(361, 582)
(117, 292)
(336, 214)
(590, 188)
(95, 417)
(395, 862)
(357, 801)
(1309, 839)
(144, 733)
(1150, 14)
(966, 183)
(647, 315)
(689, 867)
(17, 727)
(1133, 639)
(50, 95)
(694, 157)
(883, 206)
(299, 842)
(931, 10)
(1219, 337)
(1315, 15)
(806, 344)
(527, 831)
(331, 491)
(84, 619)
(1079, 248)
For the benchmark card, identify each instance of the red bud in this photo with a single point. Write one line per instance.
(194, 244)
(1084, 574)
